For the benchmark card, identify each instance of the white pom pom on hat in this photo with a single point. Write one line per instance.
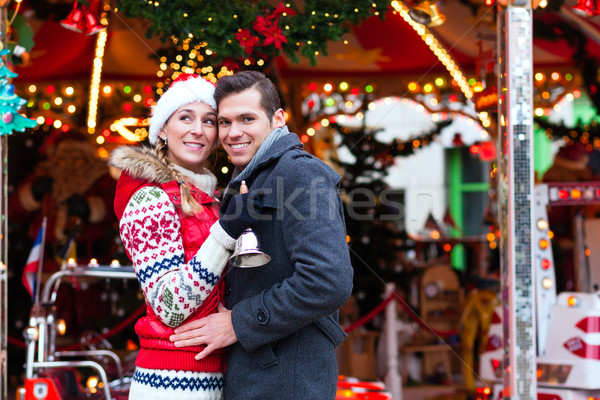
(186, 89)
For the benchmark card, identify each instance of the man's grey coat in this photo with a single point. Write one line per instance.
(285, 313)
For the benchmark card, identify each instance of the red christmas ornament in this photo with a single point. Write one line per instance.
(92, 25)
(74, 20)
(586, 8)
(82, 20)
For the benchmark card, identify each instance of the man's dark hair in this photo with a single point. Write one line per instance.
(244, 80)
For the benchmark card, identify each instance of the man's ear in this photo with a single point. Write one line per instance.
(278, 118)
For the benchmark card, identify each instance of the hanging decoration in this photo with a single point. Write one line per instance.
(334, 100)
(364, 145)
(587, 8)
(588, 134)
(237, 33)
(427, 13)
(556, 29)
(82, 20)
(341, 103)
(9, 101)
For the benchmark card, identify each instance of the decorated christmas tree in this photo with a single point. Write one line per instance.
(374, 214)
(10, 103)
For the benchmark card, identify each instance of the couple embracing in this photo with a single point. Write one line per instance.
(212, 331)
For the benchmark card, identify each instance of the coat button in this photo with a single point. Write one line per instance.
(227, 290)
(261, 316)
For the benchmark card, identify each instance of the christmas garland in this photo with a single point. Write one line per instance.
(234, 33)
(584, 133)
(363, 144)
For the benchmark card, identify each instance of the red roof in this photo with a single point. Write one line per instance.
(389, 48)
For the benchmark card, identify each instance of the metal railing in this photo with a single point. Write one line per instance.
(41, 330)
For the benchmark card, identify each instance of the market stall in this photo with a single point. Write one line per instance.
(93, 70)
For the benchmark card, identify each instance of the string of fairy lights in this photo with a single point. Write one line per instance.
(95, 82)
(61, 106)
(52, 101)
(436, 47)
(343, 94)
(342, 102)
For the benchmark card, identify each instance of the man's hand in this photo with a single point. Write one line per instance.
(243, 211)
(215, 331)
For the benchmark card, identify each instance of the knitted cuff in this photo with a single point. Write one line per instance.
(213, 255)
(219, 234)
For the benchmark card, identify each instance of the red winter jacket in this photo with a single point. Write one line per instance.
(156, 351)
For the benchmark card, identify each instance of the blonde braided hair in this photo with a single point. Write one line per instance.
(189, 205)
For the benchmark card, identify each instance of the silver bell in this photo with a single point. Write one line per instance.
(247, 253)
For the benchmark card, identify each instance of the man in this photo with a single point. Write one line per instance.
(279, 320)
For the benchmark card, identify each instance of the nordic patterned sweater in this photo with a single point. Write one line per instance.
(175, 284)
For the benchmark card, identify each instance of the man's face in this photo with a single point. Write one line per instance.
(244, 125)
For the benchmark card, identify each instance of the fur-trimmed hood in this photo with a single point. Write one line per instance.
(140, 163)
(140, 166)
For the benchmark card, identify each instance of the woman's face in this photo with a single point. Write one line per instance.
(191, 134)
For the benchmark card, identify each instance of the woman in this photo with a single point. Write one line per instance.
(167, 223)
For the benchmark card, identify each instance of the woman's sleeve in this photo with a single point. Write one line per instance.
(151, 233)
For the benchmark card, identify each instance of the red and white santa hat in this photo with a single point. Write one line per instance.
(186, 89)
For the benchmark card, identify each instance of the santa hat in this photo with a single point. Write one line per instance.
(186, 89)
